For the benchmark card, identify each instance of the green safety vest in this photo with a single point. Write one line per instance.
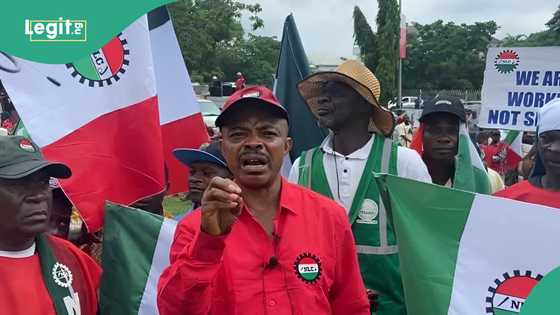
(373, 233)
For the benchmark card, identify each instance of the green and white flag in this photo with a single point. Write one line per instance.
(467, 253)
(136, 247)
(470, 173)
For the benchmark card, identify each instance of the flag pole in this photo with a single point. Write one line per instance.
(399, 99)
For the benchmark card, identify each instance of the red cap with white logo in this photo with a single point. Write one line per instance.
(259, 95)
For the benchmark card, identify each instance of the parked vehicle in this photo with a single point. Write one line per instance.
(210, 112)
(406, 102)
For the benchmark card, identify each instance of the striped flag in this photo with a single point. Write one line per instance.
(182, 125)
(99, 115)
(402, 39)
(467, 253)
(136, 247)
(511, 148)
(470, 173)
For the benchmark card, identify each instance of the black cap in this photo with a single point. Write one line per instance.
(210, 154)
(451, 105)
(20, 157)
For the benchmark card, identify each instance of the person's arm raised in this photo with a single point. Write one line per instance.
(221, 204)
(186, 287)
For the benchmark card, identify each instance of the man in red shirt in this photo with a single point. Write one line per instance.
(41, 275)
(543, 186)
(260, 245)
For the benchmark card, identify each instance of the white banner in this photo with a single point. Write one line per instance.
(517, 83)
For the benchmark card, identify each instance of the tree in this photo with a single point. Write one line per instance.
(202, 26)
(255, 56)
(365, 39)
(447, 56)
(388, 23)
(554, 23)
(549, 37)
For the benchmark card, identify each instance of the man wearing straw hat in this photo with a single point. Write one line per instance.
(346, 102)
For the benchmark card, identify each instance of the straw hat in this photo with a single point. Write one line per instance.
(362, 80)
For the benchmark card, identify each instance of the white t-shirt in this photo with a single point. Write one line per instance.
(403, 130)
(19, 254)
(351, 167)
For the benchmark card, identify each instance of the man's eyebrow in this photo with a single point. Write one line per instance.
(268, 125)
(237, 128)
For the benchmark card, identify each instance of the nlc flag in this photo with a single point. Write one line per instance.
(466, 253)
(100, 116)
(136, 246)
(181, 121)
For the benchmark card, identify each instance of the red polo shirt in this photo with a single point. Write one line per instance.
(309, 267)
(525, 191)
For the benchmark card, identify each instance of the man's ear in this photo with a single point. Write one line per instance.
(221, 140)
(288, 145)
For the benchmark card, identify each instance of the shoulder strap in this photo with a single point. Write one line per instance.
(305, 163)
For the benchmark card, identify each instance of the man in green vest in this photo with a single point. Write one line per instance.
(346, 102)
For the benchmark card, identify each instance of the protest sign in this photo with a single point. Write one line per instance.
(517, 83)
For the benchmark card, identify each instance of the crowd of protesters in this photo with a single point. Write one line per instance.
(234, 249)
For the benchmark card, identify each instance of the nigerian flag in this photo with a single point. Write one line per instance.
(136, 248)
(467, 253)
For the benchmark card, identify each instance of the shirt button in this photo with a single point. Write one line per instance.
(345, 171)
(271, 303)
(346, 158)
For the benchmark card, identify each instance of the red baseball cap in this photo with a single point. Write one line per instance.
(260, 95)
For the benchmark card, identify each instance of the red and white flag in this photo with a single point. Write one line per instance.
(98, 115)
(182, 125)
(511, 148)
(402, 41)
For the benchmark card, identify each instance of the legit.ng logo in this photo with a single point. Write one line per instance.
(506, 61)
(103, 67)
(509, 293)
(61, 30)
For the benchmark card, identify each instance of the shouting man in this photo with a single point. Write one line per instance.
(260, 245)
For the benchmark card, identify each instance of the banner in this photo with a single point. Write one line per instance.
(465, 253)
(517, 83)
(99, 115)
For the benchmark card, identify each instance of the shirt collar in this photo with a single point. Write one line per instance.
(19, 254)
(360, 154)
(289, 197)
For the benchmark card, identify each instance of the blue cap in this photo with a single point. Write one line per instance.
(210, 154)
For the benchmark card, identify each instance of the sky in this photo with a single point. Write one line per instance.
(326, 26)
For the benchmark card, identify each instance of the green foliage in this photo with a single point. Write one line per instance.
(213, 41)
(439, 55)
(255, 56)
(447, 55)
(549, 37)
(365, 39)
(554, 23)
(388, 24)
